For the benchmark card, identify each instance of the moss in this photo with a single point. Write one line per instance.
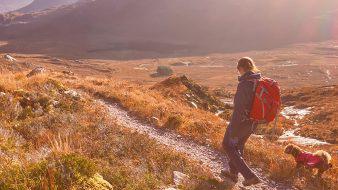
(95, 183)
(26, 112)
(44, 101)
(118, 176)
(55, 173)
(7, 145)
(56, 84)
(149, 181)
(70, 106)
(12, 178)
(78, 165)
(21, 178)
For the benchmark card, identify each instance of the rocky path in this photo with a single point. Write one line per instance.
(206, 155)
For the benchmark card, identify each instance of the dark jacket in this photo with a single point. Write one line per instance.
(240, 119)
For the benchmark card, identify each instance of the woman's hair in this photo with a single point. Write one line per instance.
(247, 64)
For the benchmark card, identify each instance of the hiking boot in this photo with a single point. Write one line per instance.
(228, 174)
(252, 181)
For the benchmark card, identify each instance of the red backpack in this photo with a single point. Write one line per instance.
(267, 100)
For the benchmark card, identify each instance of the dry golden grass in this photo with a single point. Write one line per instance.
(52, 140)
(146, 103)
(204, 127)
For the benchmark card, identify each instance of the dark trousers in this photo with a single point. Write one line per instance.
(233, 143)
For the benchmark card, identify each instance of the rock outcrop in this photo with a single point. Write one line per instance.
(9, 58)
(36, 71)
(195, 95)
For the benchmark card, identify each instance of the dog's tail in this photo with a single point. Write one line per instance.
(325, 156)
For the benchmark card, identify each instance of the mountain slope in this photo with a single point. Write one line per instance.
(38, 5)
(157, 27)
(10, 5)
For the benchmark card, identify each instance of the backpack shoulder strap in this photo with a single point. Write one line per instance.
(255, 81)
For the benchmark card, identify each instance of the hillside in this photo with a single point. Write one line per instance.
(52, 137)
(167, 112)
(131, 28)
(176, 112)
(137, 95)
(38, 5)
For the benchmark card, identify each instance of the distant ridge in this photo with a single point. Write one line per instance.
(11, 5)
(171, 27)
(38, 5)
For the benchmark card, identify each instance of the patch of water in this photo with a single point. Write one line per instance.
(211, 66)
(14, 23)
(141, 68)
(228, 101)
(257, 136)
(328, 74)
(219, 112)
(294, 113)
(291, 136)
(288, 64)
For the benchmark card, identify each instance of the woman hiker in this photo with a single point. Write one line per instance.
(241, 127)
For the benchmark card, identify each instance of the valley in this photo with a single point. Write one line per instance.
(129, 94)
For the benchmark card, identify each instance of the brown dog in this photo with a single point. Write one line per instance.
(320, 160)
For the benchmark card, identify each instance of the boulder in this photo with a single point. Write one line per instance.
(73, 94)
(193, 105)
(68, 73)
(154, 121)
(78, 61)
(163, 71)
(195, 95)
(55, 60)
(36, 71)
(9, 58)
(55, 103)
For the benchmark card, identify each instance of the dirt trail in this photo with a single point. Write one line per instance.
(206, 155)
